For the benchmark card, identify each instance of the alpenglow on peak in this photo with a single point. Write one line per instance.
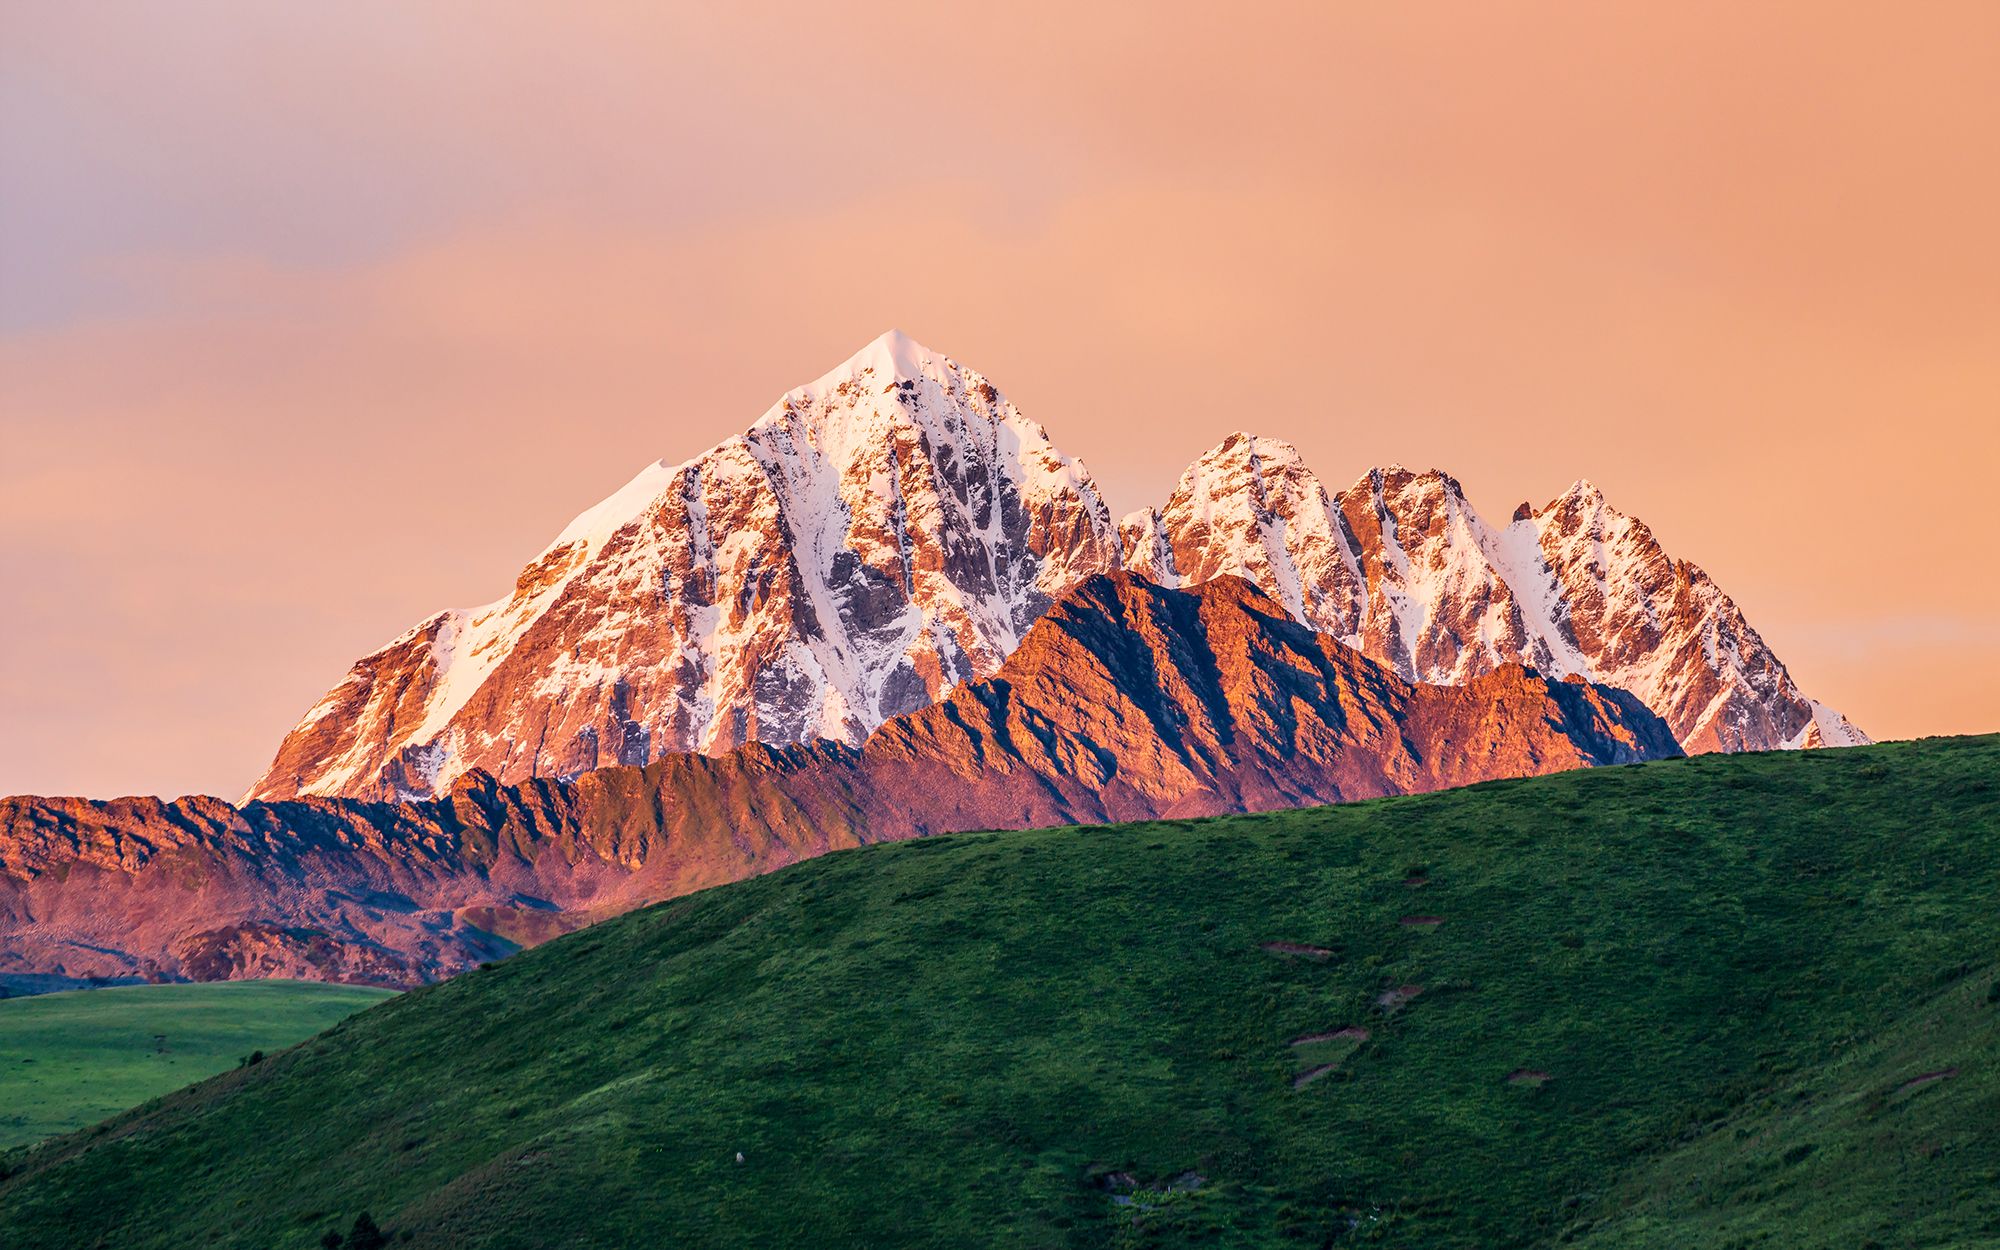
(876, 537)
(892, 528)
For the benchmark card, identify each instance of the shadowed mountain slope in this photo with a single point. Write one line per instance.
(878, 536)
(891, 531)
(1400, 567)
(1126, 701)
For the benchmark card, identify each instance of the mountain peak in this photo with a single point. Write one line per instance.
(1396, 476)
(893, 529)
(877, 537)
(1267, 450)
(1402, 567)
(891, 356)
(1583, 491)
(1581, 508)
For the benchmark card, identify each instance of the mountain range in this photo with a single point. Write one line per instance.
(891, 609)
(1126, 700)
(891, 530)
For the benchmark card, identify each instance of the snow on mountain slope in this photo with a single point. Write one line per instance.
(891, 530)
(875, 538)
(1254, 510)
(1402, 568)
(1241, 710)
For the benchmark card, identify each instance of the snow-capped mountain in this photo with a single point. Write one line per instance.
(891, 530)
(1400, 567)
(874, 539)
(1241, 710)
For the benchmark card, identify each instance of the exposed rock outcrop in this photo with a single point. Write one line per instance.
(892, 530)
(1402, 568)
(1127, 700)
(876, 538)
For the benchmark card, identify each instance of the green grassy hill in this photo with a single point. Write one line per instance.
(68, 1060)
(1695, 1003)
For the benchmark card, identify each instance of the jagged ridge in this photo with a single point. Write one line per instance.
(877, 537)
(1127, 700)
(892, 529)
(1400, 567)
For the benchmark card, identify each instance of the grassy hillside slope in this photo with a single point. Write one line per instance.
(1678, 1004)
(68, 1060)
(1853, 1149)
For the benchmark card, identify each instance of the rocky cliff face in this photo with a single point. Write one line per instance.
(1400, 567)
(1125, 701)
(890, 531)
(875, 539)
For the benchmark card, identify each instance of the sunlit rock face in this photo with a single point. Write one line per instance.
(1400, 567)
(876, 538)
(1125, 701)
(891, 531)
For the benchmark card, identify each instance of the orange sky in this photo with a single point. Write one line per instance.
(314, 319)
